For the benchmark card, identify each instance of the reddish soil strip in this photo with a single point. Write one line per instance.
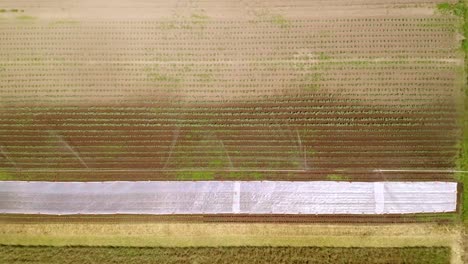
(410, 218)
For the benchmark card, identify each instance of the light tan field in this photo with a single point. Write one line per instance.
(217, 234)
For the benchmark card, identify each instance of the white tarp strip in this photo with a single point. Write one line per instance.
(227, 197)
(379, 197)
(236, 198)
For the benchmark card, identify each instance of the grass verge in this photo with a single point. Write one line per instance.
(20, 254)
(460, 10)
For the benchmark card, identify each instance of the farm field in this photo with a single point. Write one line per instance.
(205, 91)
(243, 93)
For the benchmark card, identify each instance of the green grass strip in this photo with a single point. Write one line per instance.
(460, 9)
(103, 255)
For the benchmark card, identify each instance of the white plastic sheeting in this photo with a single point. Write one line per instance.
(227, 197)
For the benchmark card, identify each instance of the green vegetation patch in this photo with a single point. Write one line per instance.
(463, 161)
(457, 9)
(279, 20)
(2, 10)
(460, 9)
(26, 18)
(267, 16)
(338, 177)
(196, 20)
(244, 175)
(212, 175)
(64, 22)
(103, 255)
(195, 175)
(6, 176)
(199, 18)
(437, 217)
(462, 165)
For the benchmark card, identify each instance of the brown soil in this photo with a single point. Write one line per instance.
(228, 90)
(412, 218)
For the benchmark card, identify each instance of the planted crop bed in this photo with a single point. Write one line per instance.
(241, 91)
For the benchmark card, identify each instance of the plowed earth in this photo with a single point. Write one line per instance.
(233, 90)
